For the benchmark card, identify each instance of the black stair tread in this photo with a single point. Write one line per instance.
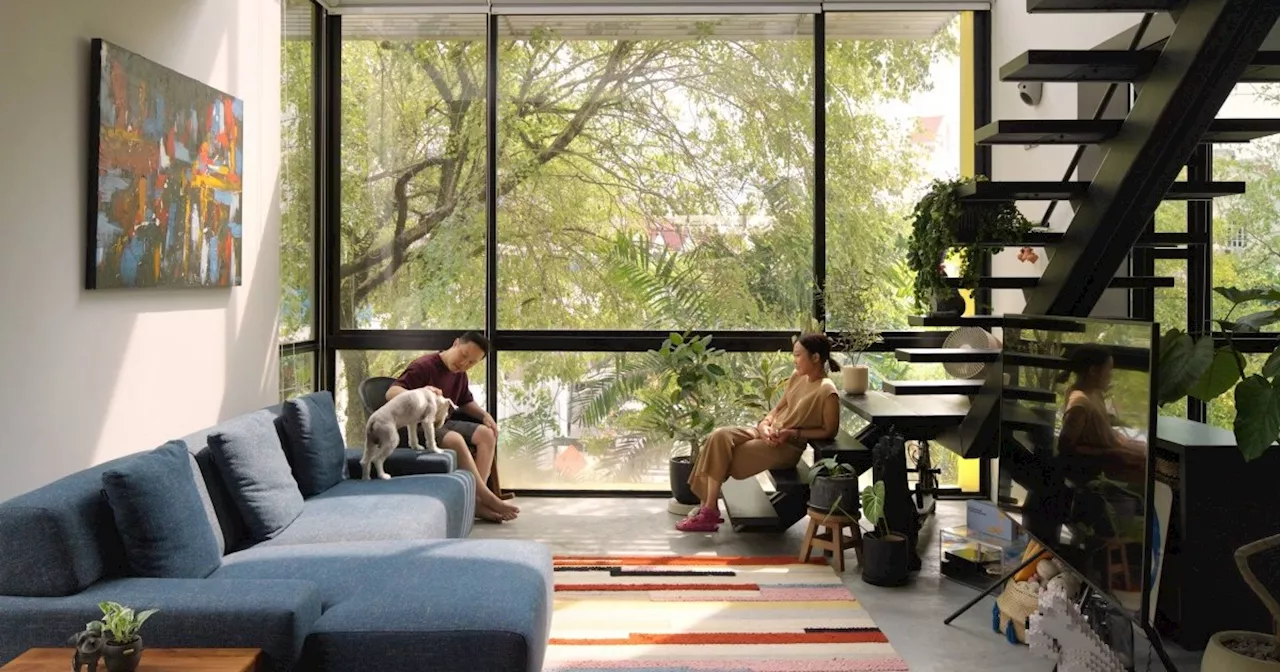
(921, 387)
(1264, 68)
(1241, 130)
(907, 413)
(1029, 394)
(791, 479)
(1094, 131)
(1137, 6)
(984, 321)
(1027, 282)
(1101, 65)
(1079, 65)
(1016, 416)
(746, 503)
(1064, 191)
(1047, 131)
(1044, 238)
(945, 355)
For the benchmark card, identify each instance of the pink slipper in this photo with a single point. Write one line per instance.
(705, 520)
(698, 511)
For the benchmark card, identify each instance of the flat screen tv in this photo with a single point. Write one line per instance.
(1077, 420)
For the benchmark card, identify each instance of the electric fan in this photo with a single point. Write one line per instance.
(969, 338)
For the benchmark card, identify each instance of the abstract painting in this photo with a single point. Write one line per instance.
(167, 177)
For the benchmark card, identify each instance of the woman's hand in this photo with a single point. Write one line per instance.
(766, 430)
(787, 435)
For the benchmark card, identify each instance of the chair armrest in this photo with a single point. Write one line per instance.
(274, 615)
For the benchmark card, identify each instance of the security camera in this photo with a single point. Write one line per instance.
(1030, 92)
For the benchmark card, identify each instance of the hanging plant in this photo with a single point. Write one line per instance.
(941, 222)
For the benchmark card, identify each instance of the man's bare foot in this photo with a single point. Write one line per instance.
(495, 505)
(485, 513)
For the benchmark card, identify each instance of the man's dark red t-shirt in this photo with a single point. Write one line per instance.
(431, 370)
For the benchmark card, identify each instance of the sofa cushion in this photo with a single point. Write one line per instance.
(60, 538)
(410, 507)
(315, 447)
(159, 515)
(446, 605)
(274, 616)
(405, 462)
(248, 453)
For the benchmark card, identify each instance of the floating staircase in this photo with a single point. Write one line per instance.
(1184, 81)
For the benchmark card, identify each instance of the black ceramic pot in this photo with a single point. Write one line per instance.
(884, 559)
(122, 657)
(826, 491)
(680, 468)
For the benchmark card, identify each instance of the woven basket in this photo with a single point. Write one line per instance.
(1019, 600)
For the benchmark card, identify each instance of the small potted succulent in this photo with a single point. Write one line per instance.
(122, 647)
(833, 483)
(884, 553)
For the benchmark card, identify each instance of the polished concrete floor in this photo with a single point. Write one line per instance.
(910, 616)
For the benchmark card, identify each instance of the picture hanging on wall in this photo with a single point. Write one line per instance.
(166, 177)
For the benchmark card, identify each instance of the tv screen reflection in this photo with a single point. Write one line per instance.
(1075, 469)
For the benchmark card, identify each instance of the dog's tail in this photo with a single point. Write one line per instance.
(370, 437)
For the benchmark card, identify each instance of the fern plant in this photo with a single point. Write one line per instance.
(933, 236)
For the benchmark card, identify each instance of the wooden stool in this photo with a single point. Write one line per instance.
(826, 531)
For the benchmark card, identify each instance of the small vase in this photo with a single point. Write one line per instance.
(854, 379)
(122, 657)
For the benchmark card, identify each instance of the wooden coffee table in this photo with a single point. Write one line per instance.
(153, 660)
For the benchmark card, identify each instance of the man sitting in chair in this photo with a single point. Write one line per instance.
(474, 443)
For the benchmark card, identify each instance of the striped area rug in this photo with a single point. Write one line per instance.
(705, 613)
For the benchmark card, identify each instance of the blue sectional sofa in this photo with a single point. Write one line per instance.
(263, 540)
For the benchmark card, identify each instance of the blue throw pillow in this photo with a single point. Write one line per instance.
(249, 456)
(315, 443)
(160, 516)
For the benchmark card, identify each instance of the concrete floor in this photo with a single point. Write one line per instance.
(910, 616)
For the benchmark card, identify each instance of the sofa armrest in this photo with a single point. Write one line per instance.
(274, 615)
(407, 462)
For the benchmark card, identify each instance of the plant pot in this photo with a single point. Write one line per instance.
(884, 559)
(680, 468)
(827, 491)
(122, 657)
(854, 379)
(947, 302)
(1220, 657)
(1224, 653)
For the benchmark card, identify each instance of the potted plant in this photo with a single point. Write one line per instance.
(680, 405)
(122, 650)
(1190, 366)
(940, 222)
(833, 482)
(847, 297)
(884, 553)
(1239, 650)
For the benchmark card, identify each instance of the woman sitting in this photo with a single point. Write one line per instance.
(809, 409)
(1088, 444)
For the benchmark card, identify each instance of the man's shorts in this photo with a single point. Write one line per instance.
(465, 428)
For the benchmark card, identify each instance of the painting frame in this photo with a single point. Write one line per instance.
(165, 177)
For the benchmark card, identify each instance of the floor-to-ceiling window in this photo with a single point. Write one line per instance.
(411, 228)
(655, 173)
(650, 174)
(1246, 228)
(297, 327)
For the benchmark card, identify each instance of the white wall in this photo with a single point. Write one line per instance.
(1013, 32)
(88, 376)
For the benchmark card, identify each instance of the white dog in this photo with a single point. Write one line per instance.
(413, 408)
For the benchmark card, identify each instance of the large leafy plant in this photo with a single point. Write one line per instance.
(934, 221)
(679, 406)
(1194, 367)
(119, 624)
